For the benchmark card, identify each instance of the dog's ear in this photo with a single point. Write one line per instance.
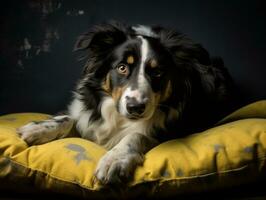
(214, 77)
(183, 48)
(82, 42)
(102, 37)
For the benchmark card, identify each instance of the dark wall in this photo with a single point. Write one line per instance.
(38, 68)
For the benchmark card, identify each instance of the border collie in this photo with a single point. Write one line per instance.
(141, 85)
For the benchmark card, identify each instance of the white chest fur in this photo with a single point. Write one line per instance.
(109, 130)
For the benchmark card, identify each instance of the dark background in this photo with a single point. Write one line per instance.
(38, 69)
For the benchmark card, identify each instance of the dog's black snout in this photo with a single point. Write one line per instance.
(135, 107)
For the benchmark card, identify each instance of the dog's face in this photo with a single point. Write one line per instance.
(137, 77)
(139, 67)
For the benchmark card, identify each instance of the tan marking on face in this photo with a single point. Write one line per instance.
(107, 84)
(153, 63)
(173, 114)
(162, 96)
(157, 97)
(117, 93)
(130, 60)
(168, 91)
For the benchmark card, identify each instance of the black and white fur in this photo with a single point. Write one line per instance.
(141, 85)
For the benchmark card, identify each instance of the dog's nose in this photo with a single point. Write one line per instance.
(135, 108)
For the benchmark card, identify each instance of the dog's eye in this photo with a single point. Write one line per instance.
(123, 69)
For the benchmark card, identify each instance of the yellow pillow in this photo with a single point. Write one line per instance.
(229, 154)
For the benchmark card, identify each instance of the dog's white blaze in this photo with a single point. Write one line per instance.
(144, 30)
(143, 92)
(142, 81)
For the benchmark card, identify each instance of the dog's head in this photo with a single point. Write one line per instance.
(142, 68)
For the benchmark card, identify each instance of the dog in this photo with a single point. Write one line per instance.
(141, 85)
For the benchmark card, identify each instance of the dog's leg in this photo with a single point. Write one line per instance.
(47, 130)
(118, 164)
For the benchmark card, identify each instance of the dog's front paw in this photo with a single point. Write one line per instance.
(116, 166)
(45, 131)
(37, 132)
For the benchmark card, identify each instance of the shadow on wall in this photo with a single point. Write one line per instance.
(38, 68)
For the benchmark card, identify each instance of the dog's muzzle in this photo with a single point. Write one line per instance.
(135, 108)
(136, 104)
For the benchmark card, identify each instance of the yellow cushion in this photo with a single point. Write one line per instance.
(232, 153)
